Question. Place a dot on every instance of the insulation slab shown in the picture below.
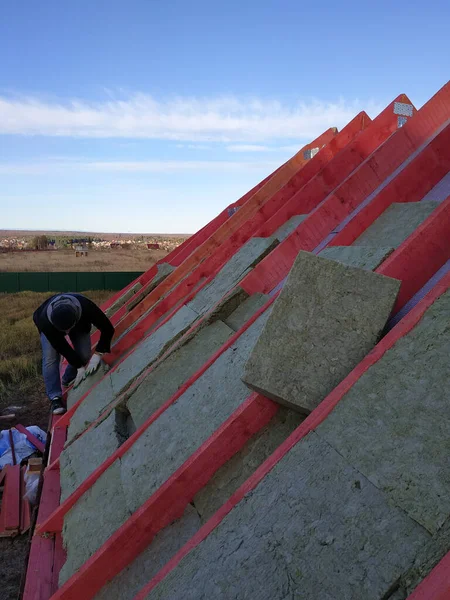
(118, 380)
(326, 319)
(243, 464)
(123, 299)
(151, 348)
(75, 394)
(244, 311)
(400, 426)
(396, 224)
(313, 523)
(362, 257)
(287, 228)
(85, 454)
(94, 518)
(161, 383)
(168, 541)
(164, 270)
(187, 423)
(127, 584)
(91, 407)
(233, 271)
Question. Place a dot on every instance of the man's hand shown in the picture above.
(81, 374)
(93, 365)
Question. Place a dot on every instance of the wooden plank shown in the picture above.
(31, 438)
(39, 583)
(170, 500)
(11, 499)
(7, 418)
(35, 465)
(3, 473)
(25, 509)
(11, 443)
(59, 436)
(58, 561)
(313, 420)
(51, 492)
(2, 523)
(39, 579)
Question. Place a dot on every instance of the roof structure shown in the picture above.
(273, 420)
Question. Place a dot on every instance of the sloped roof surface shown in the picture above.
(217, 455)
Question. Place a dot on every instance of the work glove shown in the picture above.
(81, 374)
(94, 364)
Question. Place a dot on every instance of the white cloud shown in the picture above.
(198, 147)
(257, 148)
(223, 119)
(167, 166)
(58, 165)
(248, 148)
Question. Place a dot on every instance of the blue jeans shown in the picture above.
(51, 361)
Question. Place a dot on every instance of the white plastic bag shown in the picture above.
(31, 485)
(22, 446)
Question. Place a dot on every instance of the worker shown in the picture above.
(70, 315)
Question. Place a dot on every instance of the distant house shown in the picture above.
(81, 250)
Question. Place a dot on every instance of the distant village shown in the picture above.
(46, 243)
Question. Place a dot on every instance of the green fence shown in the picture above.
(65, 282)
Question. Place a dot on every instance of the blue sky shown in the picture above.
(152, 116)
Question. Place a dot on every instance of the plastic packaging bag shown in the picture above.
(22, 447)
(31, 485)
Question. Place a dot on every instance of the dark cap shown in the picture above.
(64, 312)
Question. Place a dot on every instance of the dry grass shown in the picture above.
(66, 260)
(20, 353)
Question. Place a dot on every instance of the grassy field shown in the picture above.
(21, 382)
(66, 260)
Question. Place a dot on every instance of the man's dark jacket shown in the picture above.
(91, 315)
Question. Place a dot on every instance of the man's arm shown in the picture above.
(59, 343)
(103, 324)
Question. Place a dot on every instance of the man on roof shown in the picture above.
(71, 315)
